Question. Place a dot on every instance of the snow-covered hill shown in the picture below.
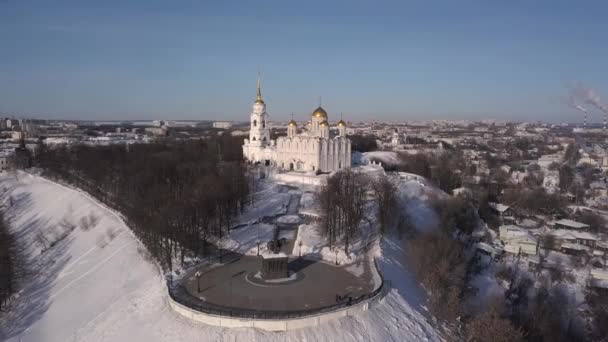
(96, 285)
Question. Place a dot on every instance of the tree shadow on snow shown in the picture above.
(41, 273)
(395, 269)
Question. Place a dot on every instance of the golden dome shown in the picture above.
(319, 113)
(341, 123)
(292, 123)
(324, 123)
(259, 100)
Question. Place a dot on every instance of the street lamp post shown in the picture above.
(300, 248)
(336, 251)
(198, 280)
(258, 242)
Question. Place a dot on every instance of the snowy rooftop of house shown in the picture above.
(510, 231)
(499, 207)
(572, 224)
(572, 235)
(599, 273)
(575, 246)
(489, 248)
(528, 223)
(554, 259)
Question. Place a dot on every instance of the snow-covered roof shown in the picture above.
(509, 232)
(598, 273)
(528, 223)
(513, 249)
(499, 207)
(565, 234)
(575, 246)
(572, 224)
(489, 248)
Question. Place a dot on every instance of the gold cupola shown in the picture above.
(341, 123)
(324, 123)
(319, 113)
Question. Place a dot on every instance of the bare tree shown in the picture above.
(385, 194)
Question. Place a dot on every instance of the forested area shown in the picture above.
(175, 195)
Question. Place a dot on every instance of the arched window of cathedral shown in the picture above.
(253, 139)
(264, 139)
(263, 123)
(255, 123)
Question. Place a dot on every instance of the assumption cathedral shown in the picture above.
(311, 149)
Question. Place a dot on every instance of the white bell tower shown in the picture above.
(259, 134)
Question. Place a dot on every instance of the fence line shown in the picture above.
(179, 294)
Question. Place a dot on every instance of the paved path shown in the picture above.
(227, 286)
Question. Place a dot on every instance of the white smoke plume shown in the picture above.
(589, 96)
(570, 101)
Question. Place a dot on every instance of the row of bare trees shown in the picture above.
(343, 200)
(10, 265)
(176, 195)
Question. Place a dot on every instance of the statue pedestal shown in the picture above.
(274, 266)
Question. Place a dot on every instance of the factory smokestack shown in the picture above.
(571, 102)
(591, 97)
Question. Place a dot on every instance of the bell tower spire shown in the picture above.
(259, 97)
(259, 134)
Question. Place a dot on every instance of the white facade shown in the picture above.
(312, 149)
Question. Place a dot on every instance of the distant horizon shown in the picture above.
(464, 60)
(478, 120)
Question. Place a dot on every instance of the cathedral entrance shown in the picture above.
(290, 166)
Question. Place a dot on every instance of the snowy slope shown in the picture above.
(91, 288)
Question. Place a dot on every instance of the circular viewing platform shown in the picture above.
(237, 287)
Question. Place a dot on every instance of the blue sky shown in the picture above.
(393, 60)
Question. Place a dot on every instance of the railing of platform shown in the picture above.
(179, 294)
